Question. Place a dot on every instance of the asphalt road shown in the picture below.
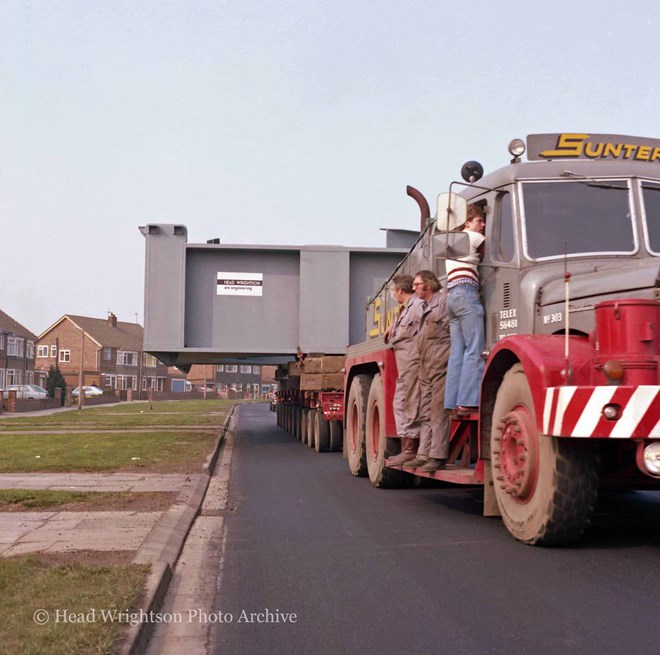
(367, 571)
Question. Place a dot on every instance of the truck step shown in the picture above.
(454, 473)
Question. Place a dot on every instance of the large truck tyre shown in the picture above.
(546, 487)
(377, 446)
(311, 417)
(336, 436)
(303, 425)
(321, 433)
(356, 415)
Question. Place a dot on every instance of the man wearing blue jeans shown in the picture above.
(466, 320)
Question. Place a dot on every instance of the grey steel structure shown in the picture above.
(281, 299)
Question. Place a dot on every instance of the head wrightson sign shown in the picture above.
(592, 146)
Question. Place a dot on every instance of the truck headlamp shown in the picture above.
(652, 458)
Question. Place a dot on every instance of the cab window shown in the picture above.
(502, 245)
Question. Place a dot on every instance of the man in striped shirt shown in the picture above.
(466, 320)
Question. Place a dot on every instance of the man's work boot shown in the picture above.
(434, 464)
(419, 460)
(408, 451)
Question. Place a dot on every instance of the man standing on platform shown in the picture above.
(403, 337)
(434, 345)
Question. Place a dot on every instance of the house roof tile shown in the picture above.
(8, 324)
(126, 336)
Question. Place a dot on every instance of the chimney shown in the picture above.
(112, 320)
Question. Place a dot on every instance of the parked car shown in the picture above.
(90, 392)
(24, 391)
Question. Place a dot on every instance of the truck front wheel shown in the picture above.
(546, 487)
(356, 413)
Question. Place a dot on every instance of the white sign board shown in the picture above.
(240, 284)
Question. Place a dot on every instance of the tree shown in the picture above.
(54, 380)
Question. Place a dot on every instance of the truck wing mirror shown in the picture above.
(451, 212)
(451, 245)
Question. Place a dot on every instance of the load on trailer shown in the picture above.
(570, 285)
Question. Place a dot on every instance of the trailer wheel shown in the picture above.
(294, 421)
(336, 436)
(321, 433)
(356, 413)
(377, 446)
(289, 419)
(310, 427)
(546, 487)
(303, 425)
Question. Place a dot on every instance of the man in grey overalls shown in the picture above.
(434, 346)
(403, 337)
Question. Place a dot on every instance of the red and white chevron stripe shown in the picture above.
(576, 412)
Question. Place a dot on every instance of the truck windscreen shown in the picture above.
(651, 196)
(577, 216)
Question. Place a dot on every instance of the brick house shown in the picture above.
(236, 380)
(111, 353)
(17, 350)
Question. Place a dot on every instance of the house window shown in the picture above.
(110, 381)
(127, 382)
(15, 348)
(42, 351)
(2, 341)
(231, 368)
(65, 355)
(53, 351)
(14, 376)
(246, 369)
(2, 378)
(220, 368)
(256, 369)
(126, 358)
(30, 351)
(150, 361)
(107, 354)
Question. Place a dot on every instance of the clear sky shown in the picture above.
(276, 122)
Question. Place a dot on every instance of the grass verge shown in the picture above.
(80, 602)
(171, 413)
(138, 451)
